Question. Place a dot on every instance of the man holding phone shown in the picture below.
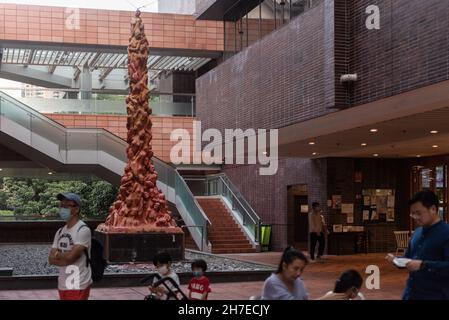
(428, 250)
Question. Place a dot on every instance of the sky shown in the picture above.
(128, 5)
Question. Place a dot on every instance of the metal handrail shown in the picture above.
(120, 145)
(245, 210)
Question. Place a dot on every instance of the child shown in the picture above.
(199, 285)
(162, 261)
(347, 287)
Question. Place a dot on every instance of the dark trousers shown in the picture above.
(314, 238)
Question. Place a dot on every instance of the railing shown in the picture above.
(196, 214)
(71, 101)
(94, 146)
(219, 184)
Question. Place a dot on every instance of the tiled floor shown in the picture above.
(319, 278)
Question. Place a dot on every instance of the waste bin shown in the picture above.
(265, 237)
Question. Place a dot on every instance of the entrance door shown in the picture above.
(301, 221)
(431, 178)
(297, 216)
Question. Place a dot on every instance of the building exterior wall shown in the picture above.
(107, 27)
(285, 78)
(408, 52)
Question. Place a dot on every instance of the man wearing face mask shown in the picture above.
(70, 250)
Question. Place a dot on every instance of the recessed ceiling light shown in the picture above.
(435, 146)
(418, 156)
(434, 131)
(364, 144)
(314, 154)
(50, 173)
(375, 155)
(374, 130)
(311, 143)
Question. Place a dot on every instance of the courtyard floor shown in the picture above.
(319, 277)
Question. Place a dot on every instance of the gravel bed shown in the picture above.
(31, 259)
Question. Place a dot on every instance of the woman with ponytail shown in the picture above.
(347, 287)
(286, 284)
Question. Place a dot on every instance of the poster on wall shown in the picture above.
(390, 202)
(336, 201)
(350, 219)
(374, 215)
(304, 209)
(381, 204)
(367, 201)
(337, 228)
(347, 208)
(390, 215)
(365, 215)
(329, 203)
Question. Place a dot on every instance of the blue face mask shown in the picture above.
(197, 274)
(65, 214)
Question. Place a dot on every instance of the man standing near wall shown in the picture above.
(428, 251)
(316, 231)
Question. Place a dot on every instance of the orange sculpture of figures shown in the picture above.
(140, 206)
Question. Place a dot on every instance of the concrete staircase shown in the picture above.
(225, 234)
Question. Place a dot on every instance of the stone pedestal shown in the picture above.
(140, 247)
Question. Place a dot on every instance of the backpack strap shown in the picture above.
(86, 252)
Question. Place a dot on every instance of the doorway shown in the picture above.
(298, 209)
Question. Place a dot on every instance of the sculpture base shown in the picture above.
(140, 247)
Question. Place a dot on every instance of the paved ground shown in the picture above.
(319, 278)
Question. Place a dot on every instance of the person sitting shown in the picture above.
(286, 283)
(347, 287)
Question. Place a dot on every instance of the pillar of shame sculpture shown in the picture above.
(140, 206)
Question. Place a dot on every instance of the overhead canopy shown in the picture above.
(53, 66)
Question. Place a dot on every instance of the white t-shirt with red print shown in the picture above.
(65, 239)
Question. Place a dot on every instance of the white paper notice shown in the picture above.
(390, 202)
(365, 214)
(347, 208)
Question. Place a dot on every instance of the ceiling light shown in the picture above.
(374, 130)
(50, 173)
(418, 156)
(314, 154)
(375, 155)
(435, 146)
(364, 144)
(311, 143)
(434, 131)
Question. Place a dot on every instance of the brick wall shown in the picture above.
(284, 78)
(409, 51)
(268, 194)
(107, 27)
(162, 127)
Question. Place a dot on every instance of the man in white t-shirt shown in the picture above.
(69, 251)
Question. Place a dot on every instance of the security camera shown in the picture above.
(349, 77)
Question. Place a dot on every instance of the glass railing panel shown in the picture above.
(70, 101)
